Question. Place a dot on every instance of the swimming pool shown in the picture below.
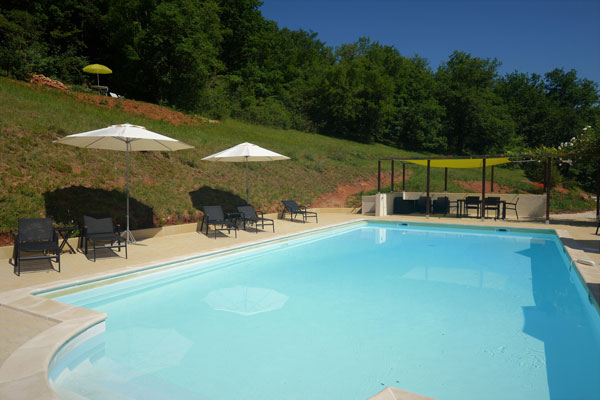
(446, 312)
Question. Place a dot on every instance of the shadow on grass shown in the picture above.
(207, 196)
(67, 206)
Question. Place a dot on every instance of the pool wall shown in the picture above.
(24, 375)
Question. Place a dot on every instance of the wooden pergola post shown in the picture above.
(392, 178)
(428, 172)
(483, 190)
(446, 180)
(379, 176)
(403, 177)
(598, 193)
(492, 180)
(548, 184)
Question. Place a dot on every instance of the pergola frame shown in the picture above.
(513, 158)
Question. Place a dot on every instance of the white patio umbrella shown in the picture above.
(245, 152)
(124, 137)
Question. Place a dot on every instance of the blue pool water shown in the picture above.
(447, 313)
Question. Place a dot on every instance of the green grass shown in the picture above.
(39, 177)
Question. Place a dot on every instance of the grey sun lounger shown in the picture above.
(251, 216)
(294, 209)
(37, 237)
(99, 231)
(213, 215)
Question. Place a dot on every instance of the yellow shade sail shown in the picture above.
(461, 162)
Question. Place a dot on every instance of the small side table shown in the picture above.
(66, 233)
(234, 216)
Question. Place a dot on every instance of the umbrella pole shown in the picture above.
(128, 235)
(98, 79)
(247, 202)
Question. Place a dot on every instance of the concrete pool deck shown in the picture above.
(32, 328)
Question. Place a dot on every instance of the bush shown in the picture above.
(535, 171)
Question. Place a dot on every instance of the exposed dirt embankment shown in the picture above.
(339, 197)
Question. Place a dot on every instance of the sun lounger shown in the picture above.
(294, 209)
(251, 216)
(99, 231)
(38, 237)
(213, 215)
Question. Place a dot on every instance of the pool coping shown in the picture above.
(17, 382)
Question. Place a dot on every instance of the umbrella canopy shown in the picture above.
(97, 69)
(124, 137)
(245, 152)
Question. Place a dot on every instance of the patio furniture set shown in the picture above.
(443, 205)
(38, 239)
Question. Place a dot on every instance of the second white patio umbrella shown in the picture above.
(245, 152)
(124, 137)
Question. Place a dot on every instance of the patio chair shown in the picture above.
(213, 215)
(492, 203)
(294, 209)
(472, 203)
(251, 216)
(37, 236)
(513, 207)
(99, 230)
(441, 205)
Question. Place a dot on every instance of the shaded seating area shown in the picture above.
(214, 215)
(99, 232)
(36, 240)
(294, 209)
(252, 217)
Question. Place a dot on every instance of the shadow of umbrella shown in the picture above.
(147, 350)
(207, 196)
(67, 206)
(245, 300)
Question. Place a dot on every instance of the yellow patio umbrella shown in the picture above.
(97, 69)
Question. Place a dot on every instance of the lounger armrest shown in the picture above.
(260, 213)
(303, 208)
(84, 231)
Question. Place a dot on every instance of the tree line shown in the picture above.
(222, 58)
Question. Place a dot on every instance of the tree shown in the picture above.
(477, 120)
(573, 105)
(166, 53)
(354, 98)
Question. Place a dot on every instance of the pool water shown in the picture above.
(450, 313)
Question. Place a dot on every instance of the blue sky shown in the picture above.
(533, 36)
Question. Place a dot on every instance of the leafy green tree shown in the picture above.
(168, 53)
(477, 120)
(354, 99)
(416, 122)
(573, 105)
(22, 51)
(528, 106)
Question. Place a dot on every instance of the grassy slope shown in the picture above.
(40, 178)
